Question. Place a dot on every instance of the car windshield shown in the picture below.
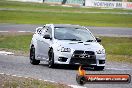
(73, 34)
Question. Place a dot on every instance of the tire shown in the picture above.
(81, 80)
(99, 68)
(51, 59)
(33, 61)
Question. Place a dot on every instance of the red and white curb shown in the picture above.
(73, 86)
(16, 31)
(4, 31)
(24, 31)
(6, 53)
(76, 86)
(119, 69)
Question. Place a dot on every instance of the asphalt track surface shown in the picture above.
(20, 66)
(98, 31)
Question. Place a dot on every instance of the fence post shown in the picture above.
(64, 1)
(84, 2)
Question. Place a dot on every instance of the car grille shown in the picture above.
(78, 52)
(83, 57)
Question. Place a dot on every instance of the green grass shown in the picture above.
(119, 58)
(117, 48)
(42, 6)
(26, 17)
(118, 45)
(32, 13)
(7, 81)
(18, 42)
(113, 45)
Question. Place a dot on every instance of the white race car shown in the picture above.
(66, 44)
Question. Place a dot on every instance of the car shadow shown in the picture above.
(68, 67)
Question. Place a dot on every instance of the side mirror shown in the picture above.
(98, 39)
(47, 36)
(38, 29)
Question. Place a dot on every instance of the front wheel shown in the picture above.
(51, 58)
(99, 68)
(33, 61)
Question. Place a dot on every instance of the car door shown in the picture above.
(45, 43)
(38, 38)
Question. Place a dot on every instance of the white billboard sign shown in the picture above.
(108, 4)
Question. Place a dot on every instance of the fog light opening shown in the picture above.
(62, 59)
(101, 61)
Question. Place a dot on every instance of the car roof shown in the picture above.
(66, 25)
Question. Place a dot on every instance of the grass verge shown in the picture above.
(36, 13)
(117, 48)
(119, 58)
(117, 45)
(19, 44)
(7, 81)
(48, 7)
(27, 17)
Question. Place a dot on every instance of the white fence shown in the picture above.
(108, 4)
(79, 2)
(39, 1)
(90, 3)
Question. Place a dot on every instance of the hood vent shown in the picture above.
(76, 43)
(80, 42)
(86, 44)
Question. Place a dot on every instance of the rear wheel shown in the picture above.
(32, 57)
(51, 58)
(99, 68)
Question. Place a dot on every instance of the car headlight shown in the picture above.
(101, 51)
(63, 49)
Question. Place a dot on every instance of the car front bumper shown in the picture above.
(69, 58)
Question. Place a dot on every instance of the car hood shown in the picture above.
(78, 45)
